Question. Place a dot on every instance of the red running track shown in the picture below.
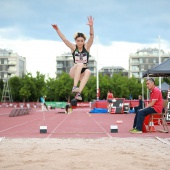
(78, 124)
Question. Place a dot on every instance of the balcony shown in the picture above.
(11, 70)
(11, 63)
(59, 65)
(59, 71)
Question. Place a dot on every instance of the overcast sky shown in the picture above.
(122, 27)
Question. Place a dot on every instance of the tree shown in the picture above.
(27, 86)
(30, 88)
(167, 80)
(51, 85)
(135, 87)
(119, 86)
(15, 85)
(89, 91)
(1, 84)
(38, 88)
(25, 93)
(104, 85)
(63, 87)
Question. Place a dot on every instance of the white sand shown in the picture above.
(77, 154)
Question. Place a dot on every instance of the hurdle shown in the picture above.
(20, 111)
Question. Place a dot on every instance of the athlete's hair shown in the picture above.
(150, 79)
(110, 91)
(79, 34)
(140, 96)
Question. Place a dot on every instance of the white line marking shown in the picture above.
(2, 139)
(17, 125)
(162, 140)
(79, 133)
(102, 128)
(4, 114)
(58, 126)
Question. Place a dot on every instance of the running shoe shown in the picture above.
(136, 131)
(78, 96)
(132, 130)
(75, 89)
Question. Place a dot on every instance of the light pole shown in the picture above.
(97, 75)
(142, 80)
(159, 63)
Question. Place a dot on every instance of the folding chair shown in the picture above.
(161, 118)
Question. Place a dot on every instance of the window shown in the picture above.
(12, 68)
(135, 68)
(5, 61)
(142, 67)
(141, 60)
(154, 61)
(135, 61)
(4, 68)
(146, 60)
(141, 74)
(136, 74)
(5, 75)
(149, 66)
(105, 70)
(59, 65)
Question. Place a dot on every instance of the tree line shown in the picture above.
(30, 89)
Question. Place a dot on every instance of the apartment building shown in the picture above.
(110, 71)
(11, 64)
(65, 61)
(145, 59)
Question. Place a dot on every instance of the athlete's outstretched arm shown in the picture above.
(90, 40)
(60, 34)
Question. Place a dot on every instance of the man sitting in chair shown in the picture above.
(155, 106)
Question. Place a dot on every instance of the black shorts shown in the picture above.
(83, 70)
(109, 101)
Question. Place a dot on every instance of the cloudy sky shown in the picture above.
(121, 27)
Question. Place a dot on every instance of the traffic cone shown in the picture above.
(144, 128)
(151, 127)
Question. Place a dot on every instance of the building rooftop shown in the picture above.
(112, 67)
(149, 50)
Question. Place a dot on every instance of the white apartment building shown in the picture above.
(111, 70)
(65, 61)
(145, 59)
(11, 64)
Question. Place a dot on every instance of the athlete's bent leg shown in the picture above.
(77, 73)
(83, 79)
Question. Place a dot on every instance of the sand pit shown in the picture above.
(74, 154)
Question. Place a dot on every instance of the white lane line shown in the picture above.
(17, 125)
(79, 133)
(4, 114)
(163, 140)
(2, 139)
(58, 126)
(101, 128)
